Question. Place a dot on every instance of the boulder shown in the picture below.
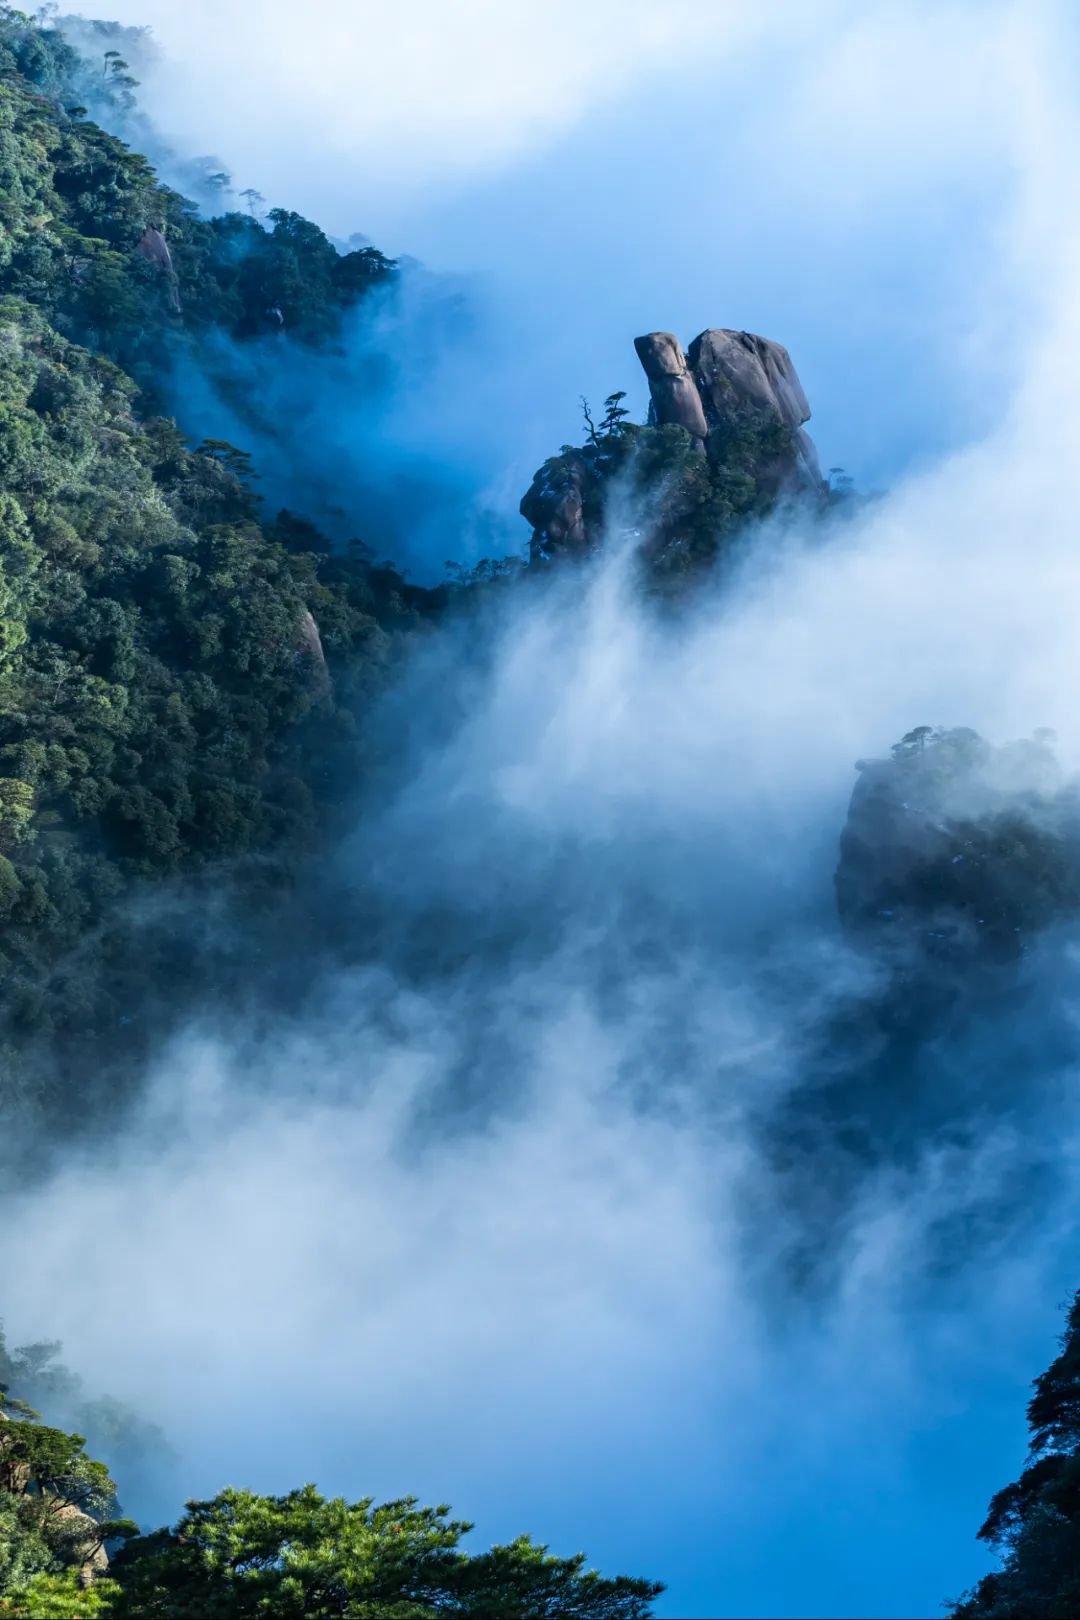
(739, 372)
(725, 378)
(740, 369)
(674, 392)
(554, 505)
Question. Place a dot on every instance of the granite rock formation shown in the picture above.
(554, 505)
(739, 407)
(672, 388)
(153, 247)
(726, 378)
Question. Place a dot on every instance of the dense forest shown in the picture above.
(184, 683)
(1034, 1524)
(183, 675)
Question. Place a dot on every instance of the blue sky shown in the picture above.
(882, 188)
(843, 177)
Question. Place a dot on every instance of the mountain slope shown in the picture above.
(180, 677)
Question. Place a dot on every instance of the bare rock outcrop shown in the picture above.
(77, 1538)
(554, 505)
(673, 390)
(748, 369)
(739, 400)
(154, 248)
(726, 378)
(311, 648)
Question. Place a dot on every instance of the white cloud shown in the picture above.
(842, 176)
(412, 92)
(524, 1208)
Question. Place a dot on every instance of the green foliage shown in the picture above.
(613, 420)
(60, 1596)
(172, 665)
(75, 204)
(32, 1376)
(55, 1507)
(53, 1465)
(1054, 1410)
(1034, 1524)
(688, 505)
(242, 1555)
(159, 693)
(179, 676)
(24, 1550)
(489, 571)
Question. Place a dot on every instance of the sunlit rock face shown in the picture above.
(725, 378)
(674, 392)
(740, 407)
(737, 373)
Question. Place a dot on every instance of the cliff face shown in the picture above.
(724, 442)
(953, 848)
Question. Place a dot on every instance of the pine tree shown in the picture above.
(1034, 1523)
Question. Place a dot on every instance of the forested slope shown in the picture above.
(181, 674)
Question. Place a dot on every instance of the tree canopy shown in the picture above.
(242, 1555)
(1034, 1523)
(183, 677)
(65, 1549)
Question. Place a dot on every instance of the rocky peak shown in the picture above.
(739, 407)
(674, 392)
(725, 378)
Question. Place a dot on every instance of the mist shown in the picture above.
(845, 178)
(510, 1186)
(542, 1203)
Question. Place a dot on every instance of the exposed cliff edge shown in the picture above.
(724, 442)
